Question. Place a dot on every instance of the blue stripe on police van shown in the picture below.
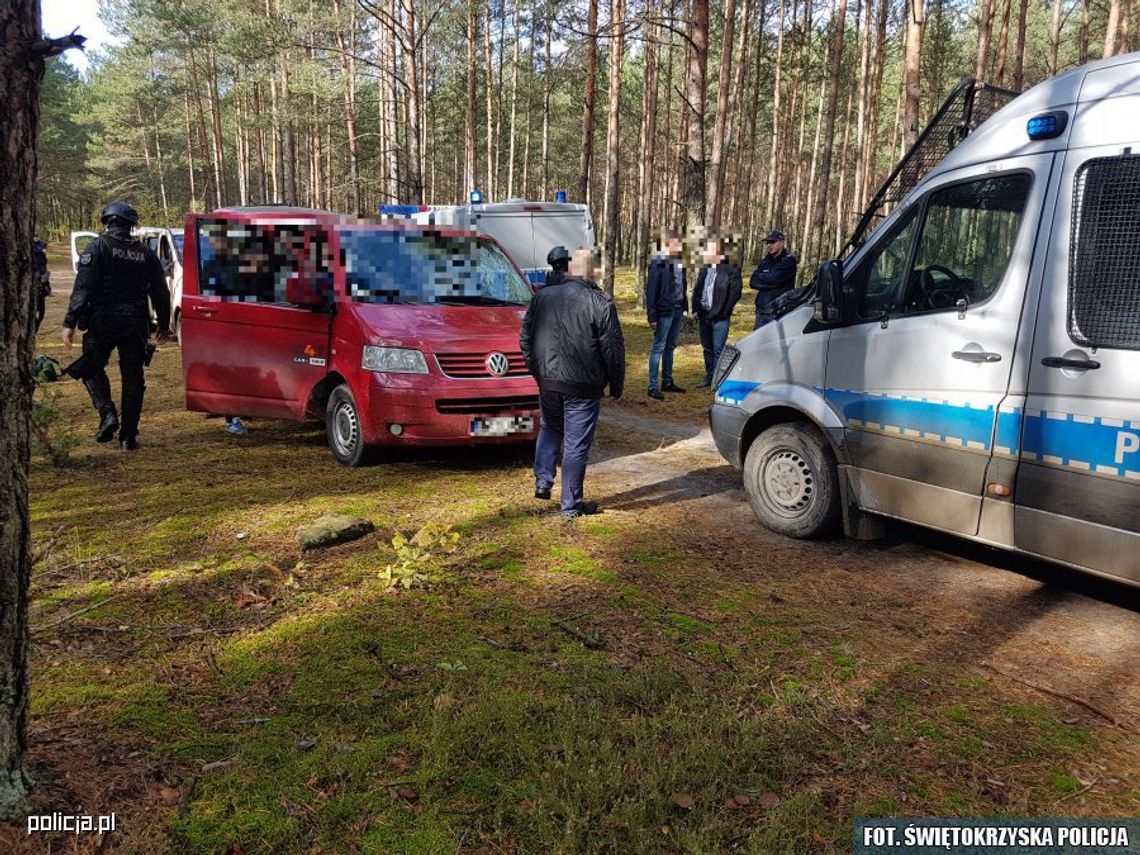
(1086, 443)
(733, 392)
(963, 426)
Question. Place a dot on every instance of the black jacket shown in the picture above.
(659, 288)
(572, 342)
(772, 278)
(117, 273)
(726, 291)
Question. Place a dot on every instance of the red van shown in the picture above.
(394, 334)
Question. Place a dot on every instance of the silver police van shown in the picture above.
(974, 365)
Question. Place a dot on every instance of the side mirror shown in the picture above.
(832, 304)
(305, 289)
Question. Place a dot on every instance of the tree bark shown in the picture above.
(777, 123)
(716, 184)
(1019, 56)
(588, 104)
(861, 111)
(348, 87)
(488, 57)
(546, 83)
(514, 106)
(985, 26)
(190, 150)
(471, 178)
(735, 129)
(835, 72)
(645, 173)
(912, 65)
(22, 70)
(693, 167)
(412, 111)
(613, 143)
(1001, 55)
(1112, 29)
(1054, 37)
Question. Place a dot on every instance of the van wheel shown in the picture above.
(345, 433)
(792, 481)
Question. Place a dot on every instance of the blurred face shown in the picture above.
(584, 264)
(673, 247)
(712, 252)
(774, 247)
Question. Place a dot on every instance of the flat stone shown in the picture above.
(332, 529)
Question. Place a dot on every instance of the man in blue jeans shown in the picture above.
(715, 295)
(665, 290)
(572, 342)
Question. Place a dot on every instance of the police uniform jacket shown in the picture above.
(117, 274)
(773, 277)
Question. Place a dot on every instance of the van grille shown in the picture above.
(487, 406)
(465, 366)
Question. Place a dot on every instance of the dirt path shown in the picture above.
(964, 603)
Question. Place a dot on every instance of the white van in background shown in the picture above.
(167, 245)
(527, 230)
(974, 366)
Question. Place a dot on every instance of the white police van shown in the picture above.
(974, 366)
(526, 229)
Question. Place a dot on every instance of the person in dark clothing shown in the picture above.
(43, 278)
(773, 277)
(665, 292)
(109, 302)
(573, 345)
(715, 295)
(559, 260)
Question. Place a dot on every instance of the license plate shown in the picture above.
(502, 425)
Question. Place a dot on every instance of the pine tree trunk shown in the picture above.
(1054, 37)
(835, 73)
(912, 63)
(645, 175)
(546, 83)
(190, 151)
(471, 178)
(613, 142)
(716, 185)
(770, 207)
(412, 113)
(665, 211)
(1003, 44)
(985, 27)
(588, 104)
(693, 173)
(735, 131)
(514, 106)
(488, 57)
(529, 106)
(22, 70)
(348, 87)
(861, 111)
(1019, 56)
(1112, 29)
(219, 140)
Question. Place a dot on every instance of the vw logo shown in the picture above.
(498, 364)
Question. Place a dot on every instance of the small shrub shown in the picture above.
(53, 433)
(419, 558)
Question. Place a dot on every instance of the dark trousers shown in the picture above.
(714, 334)
(127, 334)
(665, 339)
(567, 426)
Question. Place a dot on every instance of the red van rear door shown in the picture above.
(245, 350)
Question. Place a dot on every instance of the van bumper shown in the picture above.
(727, 425)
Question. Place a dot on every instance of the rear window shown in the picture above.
(428, 267)
(1104, 254)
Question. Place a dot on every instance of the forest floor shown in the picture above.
(668, 676)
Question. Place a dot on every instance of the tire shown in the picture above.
(344, 430)
(792, 481)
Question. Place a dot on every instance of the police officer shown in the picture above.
(43, 278)
(116, 275)
(559, 260)
(774, 276)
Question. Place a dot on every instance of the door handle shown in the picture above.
(1067, 362)
(976, 356)
(205, 310)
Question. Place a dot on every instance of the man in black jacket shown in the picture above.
(109, 301)
(773, 277)
(572, 342)
(665, 289)
(715, 295)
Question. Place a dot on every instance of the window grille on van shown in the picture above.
(465, 366)
(1104, 254)
(970, 104)
(487, 406)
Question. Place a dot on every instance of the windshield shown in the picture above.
(427, 267)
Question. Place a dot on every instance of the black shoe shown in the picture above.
(129, 444)
(673, 387)
(108, 424)
(582, 509)
(656, 395)
(542, 492)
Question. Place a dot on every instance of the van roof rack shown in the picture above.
(970, 104)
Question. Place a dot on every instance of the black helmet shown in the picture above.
(119, 209)
(558, 253)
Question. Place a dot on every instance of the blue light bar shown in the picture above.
(1047, 126)
(476, 197)
(560, 196)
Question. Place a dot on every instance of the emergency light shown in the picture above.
(476, 197)
(1047, 126)
(560, 196)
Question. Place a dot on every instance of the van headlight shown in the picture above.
(724, 365)
(393, 360)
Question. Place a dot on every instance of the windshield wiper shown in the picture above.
(478, 300)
